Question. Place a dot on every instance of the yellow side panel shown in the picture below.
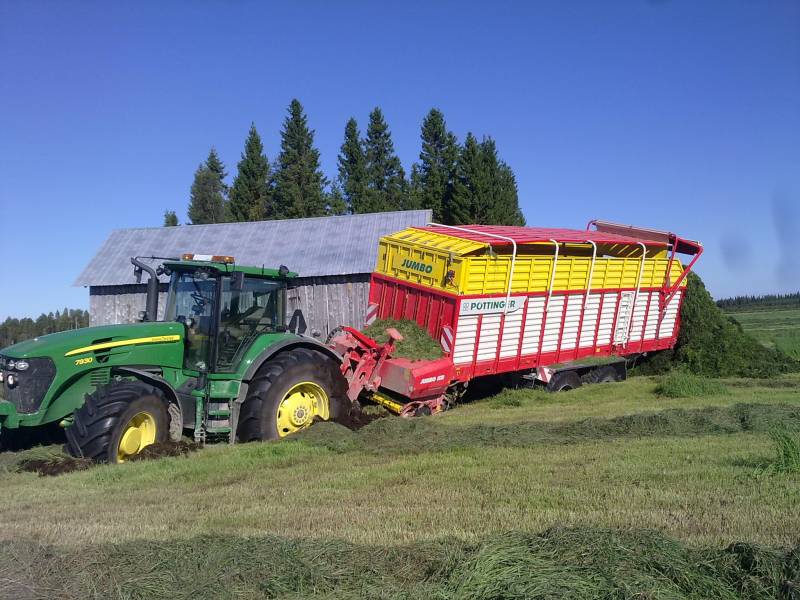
(426, 258)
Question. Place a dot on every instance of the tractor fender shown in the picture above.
(289, 344)
(267, 354)
(174, 408)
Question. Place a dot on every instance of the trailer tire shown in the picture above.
(288, 393)
(604, 374)
(117, 421)
(563, 381)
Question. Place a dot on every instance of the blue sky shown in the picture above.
(679, 114)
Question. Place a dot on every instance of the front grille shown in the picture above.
(30, 385)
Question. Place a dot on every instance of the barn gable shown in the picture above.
(333, 255)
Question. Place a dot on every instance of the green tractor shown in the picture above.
(221, 366)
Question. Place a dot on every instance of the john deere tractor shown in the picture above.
(220, 366)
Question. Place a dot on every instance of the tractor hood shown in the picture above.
(84, 342)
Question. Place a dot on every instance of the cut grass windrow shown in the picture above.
(408, 436)
(558, 563)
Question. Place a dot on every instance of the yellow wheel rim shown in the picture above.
(299, 406)
(138, 433)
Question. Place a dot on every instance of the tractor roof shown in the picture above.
(229, 267)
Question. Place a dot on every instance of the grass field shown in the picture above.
(400, 508)
(773, 328)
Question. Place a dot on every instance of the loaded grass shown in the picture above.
(416, 344)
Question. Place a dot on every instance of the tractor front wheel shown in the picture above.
(288, 393)
(118, 421)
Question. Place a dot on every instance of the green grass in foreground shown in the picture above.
(558, 563)
(610, 491)
(681, 384)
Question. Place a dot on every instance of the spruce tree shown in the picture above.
(215, 164)
(170, 218)
(387, 188)
(250, 198)
(335, 201)
(484, 190)
(206, 203)
(352, 168)
(298, 180)
(469, 185)
(433, 180)
(502, 207)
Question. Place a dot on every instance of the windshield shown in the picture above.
(191, 302)
(247, 313)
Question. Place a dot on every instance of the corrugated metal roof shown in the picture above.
(311, 247)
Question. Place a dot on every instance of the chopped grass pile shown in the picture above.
(712, 344)
(557, 563)
(56, 465)
(683, 384)
(416, 344)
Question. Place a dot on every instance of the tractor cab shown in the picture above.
(224, 308)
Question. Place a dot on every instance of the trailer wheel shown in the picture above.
(117, 421)
(288, 393)
(564, 381)
(604, 374)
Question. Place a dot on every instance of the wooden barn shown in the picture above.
(333, 255)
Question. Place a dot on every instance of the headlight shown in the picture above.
(22, 365)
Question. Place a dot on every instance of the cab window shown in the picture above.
(255, 309)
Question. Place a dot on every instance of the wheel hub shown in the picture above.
(300, 405)
(137, 434)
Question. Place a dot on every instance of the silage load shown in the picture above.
(417, 344)
(711, 344)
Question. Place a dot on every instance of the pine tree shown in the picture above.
(503, 205)
(335, 201)
(469, 185)
(299, 182)
(250, 198)
(352, 168)
(215, 164)
(433, 180)
(485, 189)
(170, 218)
(387, 188)
(206, 203)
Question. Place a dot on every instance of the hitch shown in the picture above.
(362, 358)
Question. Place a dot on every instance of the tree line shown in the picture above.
(14, 330)
(460, 182)
(765, 302)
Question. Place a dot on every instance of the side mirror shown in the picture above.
(237, 281)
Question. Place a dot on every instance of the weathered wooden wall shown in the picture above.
(327, 302)
(313, 303)
(111, 304)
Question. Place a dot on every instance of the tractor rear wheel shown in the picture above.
(288, 393)
(117, 421)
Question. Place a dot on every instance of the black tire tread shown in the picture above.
(93, 423)
(250, 416)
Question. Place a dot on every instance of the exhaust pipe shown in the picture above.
(151, 307)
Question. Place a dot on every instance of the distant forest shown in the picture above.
(766, 302)
(460, 182)
(17, 330)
